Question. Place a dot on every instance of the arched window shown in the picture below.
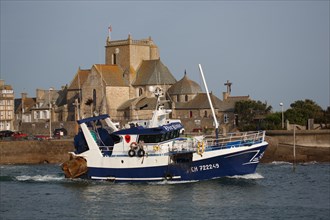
(140, 91)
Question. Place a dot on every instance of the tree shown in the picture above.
(251, 114)
(301, 111)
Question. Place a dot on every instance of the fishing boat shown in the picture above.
(159, 153)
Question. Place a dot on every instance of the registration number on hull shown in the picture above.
(205, 167)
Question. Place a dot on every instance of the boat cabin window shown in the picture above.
(115, 138)
(148, 138)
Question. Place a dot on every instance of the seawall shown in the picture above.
(310, 146)
(35, 152)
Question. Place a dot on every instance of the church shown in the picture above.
(123, 88)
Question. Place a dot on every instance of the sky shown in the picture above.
(273, 51)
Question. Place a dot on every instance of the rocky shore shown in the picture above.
(310, 146)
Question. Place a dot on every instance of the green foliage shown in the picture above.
(301, 111)
(251, 114)
(254, 115)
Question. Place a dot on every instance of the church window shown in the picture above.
(186, 98)
(178, 98)
(114, 59)
(190, 114)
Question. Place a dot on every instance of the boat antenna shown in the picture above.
(211, 105)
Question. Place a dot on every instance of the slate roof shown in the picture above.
(142, 103)
(184, 86)
(229, 103)
(153, 72)
(111, 74)
(200, 102)
(28, 104)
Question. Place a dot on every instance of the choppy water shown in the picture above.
(274, 192)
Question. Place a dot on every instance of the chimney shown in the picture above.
(24, 95)
(225, 95)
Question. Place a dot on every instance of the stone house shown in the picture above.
(6, 106)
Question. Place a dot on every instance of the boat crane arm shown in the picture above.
(211, 105)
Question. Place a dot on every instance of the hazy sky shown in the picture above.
(274, 51)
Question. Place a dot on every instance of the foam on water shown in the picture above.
(253, 176)
(39, 178)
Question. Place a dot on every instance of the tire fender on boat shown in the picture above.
(168, 176)
(131, 153)
(141, 153)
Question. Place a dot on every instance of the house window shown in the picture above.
(205, 114)
(140, 91)
(225, 118)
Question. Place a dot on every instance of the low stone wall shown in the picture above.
(309, 146)
(34, 152)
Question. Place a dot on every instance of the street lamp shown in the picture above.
(281, 104)
(50, 112)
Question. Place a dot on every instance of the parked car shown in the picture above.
(60, 132)
(6, 133)
(19, 135)
(41, 137)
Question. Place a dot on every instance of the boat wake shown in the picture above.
(253, 176)
(40, 178)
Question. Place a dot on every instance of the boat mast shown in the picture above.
(211, 105)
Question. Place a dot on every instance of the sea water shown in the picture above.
(276, 191)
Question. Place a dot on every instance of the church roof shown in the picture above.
(111, 74)
(153, 72)
(200, 102)
(80, 78)
(142, 103)
(184, 86)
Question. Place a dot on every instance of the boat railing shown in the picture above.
(235, 139)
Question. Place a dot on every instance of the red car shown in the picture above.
(19, 135)
(41, 137)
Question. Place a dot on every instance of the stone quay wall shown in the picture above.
(309, 146)
(35, 152)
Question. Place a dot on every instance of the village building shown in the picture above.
(6, 106)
